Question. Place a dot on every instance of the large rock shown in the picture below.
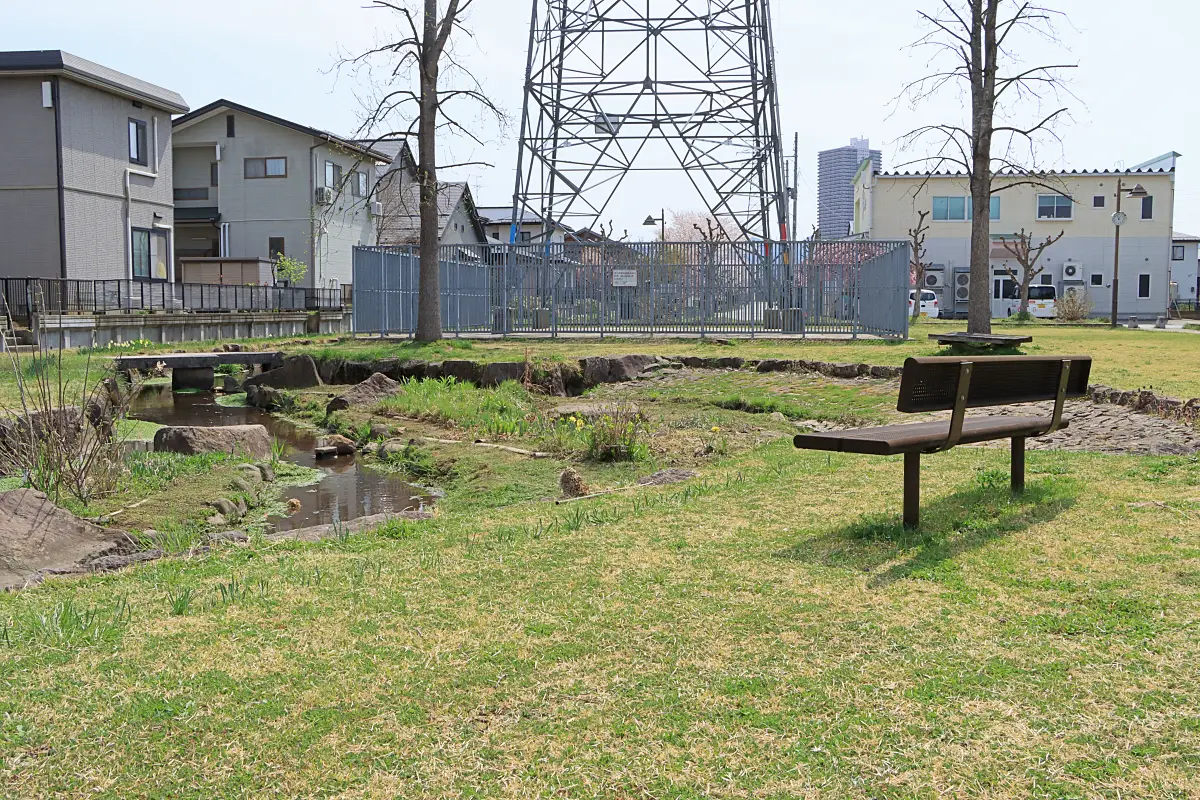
(370, 392)
(297, 372)
(627, 368)
(247, 440)
(596, 370)
(501, 371)
(461, 371)
(775, 365)
(341, 445)
(265, 397)
(35, 535)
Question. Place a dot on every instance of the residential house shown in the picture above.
(1081, 204)
(85, 171)
(1185, 277)
(250, 186)
(498, 223)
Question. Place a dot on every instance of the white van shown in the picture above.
(929, 304)
(1043, 301)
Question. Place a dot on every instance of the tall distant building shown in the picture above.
(835, 185)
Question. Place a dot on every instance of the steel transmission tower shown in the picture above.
(615, 87)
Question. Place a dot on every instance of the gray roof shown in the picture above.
(59, 62)
(502, 215)
(402, 216)
(316, 133)
(1180, 236)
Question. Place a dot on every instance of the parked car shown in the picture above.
(1042, 302)
(929, 303)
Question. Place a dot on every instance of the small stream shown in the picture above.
(348, 490)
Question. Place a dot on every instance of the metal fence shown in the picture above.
(850, 287)
(28, 296)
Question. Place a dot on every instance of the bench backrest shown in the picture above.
(931, 384)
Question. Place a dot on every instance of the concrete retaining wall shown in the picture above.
(99, 330)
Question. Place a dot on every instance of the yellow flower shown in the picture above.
(716, 429)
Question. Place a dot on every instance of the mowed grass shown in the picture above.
(1122, 358)
(766, 631)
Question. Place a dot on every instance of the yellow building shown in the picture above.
(1081, 204)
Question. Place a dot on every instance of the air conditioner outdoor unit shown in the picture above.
(324, 196)
(962, 286)
(935, 280)
(377, 209)
(1072, 271)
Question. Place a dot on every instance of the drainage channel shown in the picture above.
(348, 490)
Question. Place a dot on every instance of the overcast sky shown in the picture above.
(840, 66)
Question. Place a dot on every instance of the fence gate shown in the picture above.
(749, 288)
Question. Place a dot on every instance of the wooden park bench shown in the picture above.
(956, 384)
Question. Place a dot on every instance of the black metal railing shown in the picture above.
(28, 296)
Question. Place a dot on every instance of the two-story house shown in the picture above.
(252, 186)
(85, 170)
(399, 196)
(1078, 204)
(497, 222)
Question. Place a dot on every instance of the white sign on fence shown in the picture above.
(624, 278)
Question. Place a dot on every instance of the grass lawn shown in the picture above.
(767, 630)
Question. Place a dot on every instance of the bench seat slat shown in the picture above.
(891, 440)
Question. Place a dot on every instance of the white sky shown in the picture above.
(839, 65)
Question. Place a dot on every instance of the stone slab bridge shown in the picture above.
(196, 370)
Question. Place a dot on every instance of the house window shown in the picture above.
(137, 142)
(212, 174)
(1055, 206)
(949, 209)
(191, 194)
(1098, 201)
(272, 167)
(1097, 279)
(1177, 252)
(275, 247)
(526, 237)
(229, 126)
(149, 254)
(333, 175)
(360, 188)
(1143, 286)
(1047, 280)
(1147, 208)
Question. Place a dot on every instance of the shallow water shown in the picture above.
(348, 490)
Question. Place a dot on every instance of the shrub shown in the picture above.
(618, 436)
(1073, 307)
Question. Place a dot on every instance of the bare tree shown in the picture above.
(1027, 255)
(413, 103)
(973, 45)
(917, 264)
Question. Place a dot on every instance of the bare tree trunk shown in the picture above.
(983, 103)
(429, 300)
(1025, 294)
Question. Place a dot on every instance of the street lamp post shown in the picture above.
(652, 220)
(1119, 218)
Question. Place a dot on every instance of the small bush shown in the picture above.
(618, 436)
(1073, 307)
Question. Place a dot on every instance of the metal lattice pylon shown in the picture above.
(607, 78)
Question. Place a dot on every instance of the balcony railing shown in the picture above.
(28, 296)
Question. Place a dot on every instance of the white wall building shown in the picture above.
(1185, 275)
(1081, 204)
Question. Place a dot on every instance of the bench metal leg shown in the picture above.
(912, 490)
(1018, 464)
